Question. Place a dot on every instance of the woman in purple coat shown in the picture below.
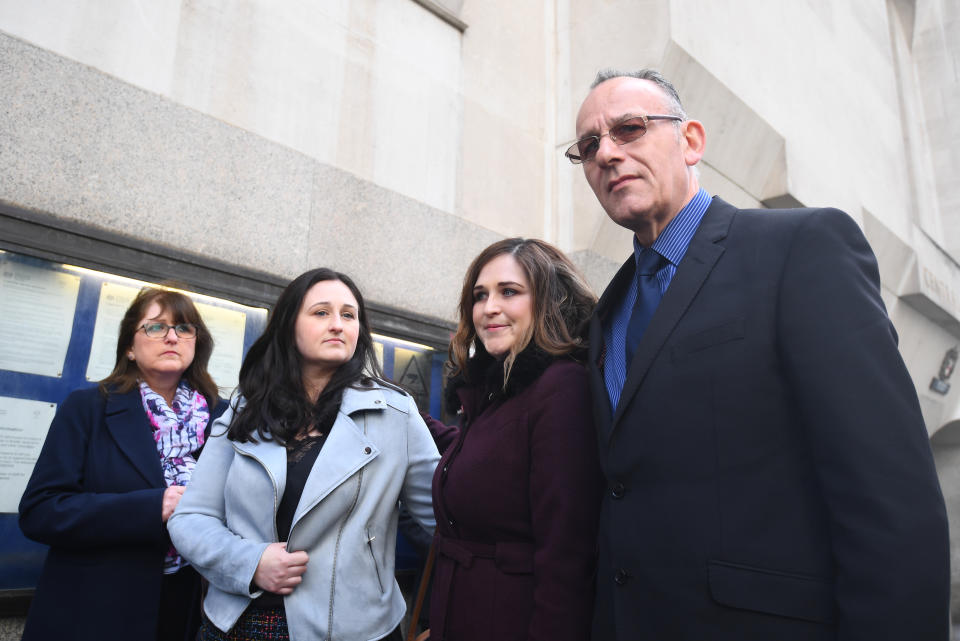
(517, 493)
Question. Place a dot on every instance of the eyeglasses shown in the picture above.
(627, 130)
(160, 330)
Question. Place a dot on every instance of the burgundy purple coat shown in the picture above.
(517, 496)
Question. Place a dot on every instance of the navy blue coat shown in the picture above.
(95, 498)
(769, 474)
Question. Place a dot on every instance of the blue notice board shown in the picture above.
(22, 307)
(419, 369)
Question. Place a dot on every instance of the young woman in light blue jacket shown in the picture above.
(292, 511)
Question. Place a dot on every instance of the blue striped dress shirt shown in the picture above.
(672, 244)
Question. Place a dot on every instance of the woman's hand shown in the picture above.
(280, 571)
(171, 496)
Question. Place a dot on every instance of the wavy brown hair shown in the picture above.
(126, 373)
(562, 303)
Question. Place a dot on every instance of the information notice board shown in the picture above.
(58, 333)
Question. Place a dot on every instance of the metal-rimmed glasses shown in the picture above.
(160, 330)
(627, 130)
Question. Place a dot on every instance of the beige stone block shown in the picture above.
(597, 269)
(505, 64)
(597, 34)
(401, 252)
(717, 184)
(611, 241)
(135, 41)
(820, 75)
(342, 82)
(503, 171)
(339, 82)
(894, 255)
(86, 147)
(586, 213)
(740, 144)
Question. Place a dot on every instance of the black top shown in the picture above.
(301, 455)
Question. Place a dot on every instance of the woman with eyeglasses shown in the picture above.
(112, 470)
(292, 515)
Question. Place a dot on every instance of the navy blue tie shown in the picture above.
(648, 297)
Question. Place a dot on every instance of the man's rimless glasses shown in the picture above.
(627, 130)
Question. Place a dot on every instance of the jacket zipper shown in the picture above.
(276, 490)
(376, 567)
(336, 554)
(336, 548)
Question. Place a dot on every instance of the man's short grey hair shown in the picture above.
(670, 94)
(674, 107)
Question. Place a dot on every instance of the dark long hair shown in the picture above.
(271, 377)
(126, 373)
(562, 303)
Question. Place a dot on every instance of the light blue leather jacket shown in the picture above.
(378, 450)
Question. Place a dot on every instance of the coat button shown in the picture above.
(367, 450)
(450, 522)
(621, 577)
(617, 491)
(445, 468)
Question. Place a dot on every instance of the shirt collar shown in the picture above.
(673, 241)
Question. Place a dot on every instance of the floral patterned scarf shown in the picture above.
(178, 430)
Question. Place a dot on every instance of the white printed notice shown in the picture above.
(113, 304)
(227, 327)
(36, 317)
(23, 427)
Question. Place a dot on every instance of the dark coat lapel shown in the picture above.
(704, 251)
(130, 428)
(613, 293)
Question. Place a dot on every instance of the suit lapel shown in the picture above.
(614, 291)
(702, 255)
(601, 404)
(129, 426)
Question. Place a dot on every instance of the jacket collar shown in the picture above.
(346, 449)
(364, 398)
(482, 383)
(353, 400)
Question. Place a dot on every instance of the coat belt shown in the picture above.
(511, 557)
(507, 557)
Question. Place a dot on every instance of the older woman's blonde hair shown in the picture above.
(562, 303)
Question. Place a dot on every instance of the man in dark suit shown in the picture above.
(769, 474)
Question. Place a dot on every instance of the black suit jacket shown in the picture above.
(769, 473)
(95, 498)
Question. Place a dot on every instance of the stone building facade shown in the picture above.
(233, 144)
